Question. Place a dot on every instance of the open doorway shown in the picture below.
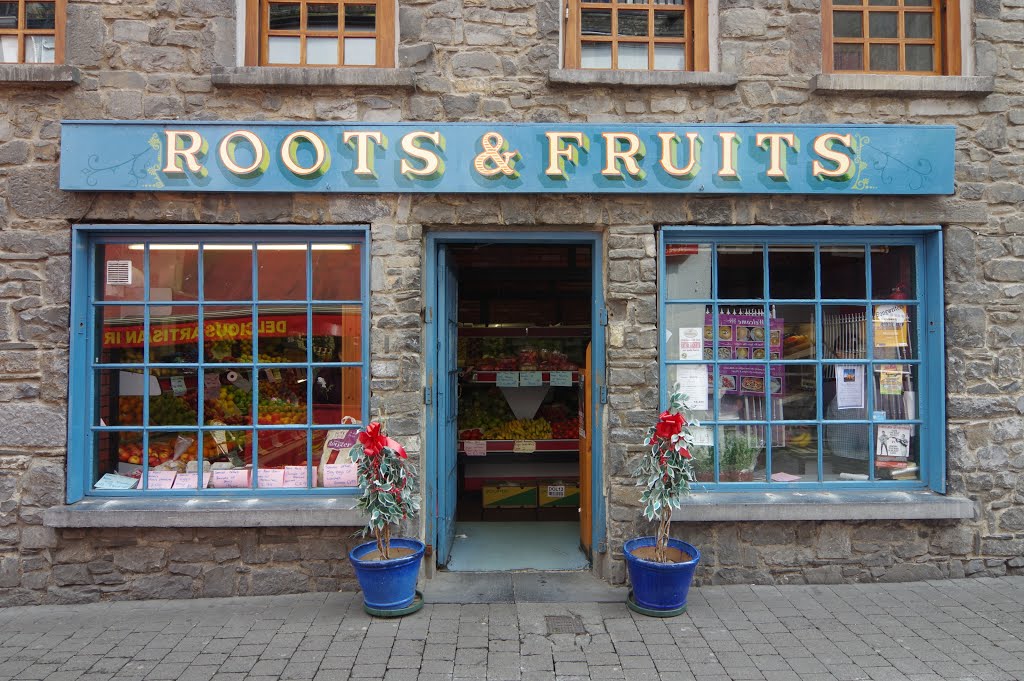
(514, 406)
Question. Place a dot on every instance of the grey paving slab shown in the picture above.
(966, 630)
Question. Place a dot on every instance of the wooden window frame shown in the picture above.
(695, 32)
(256, 35)
(945, 29)
(22, 32)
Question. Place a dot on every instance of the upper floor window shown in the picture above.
(318, 33)
(892, 36)
(670, 35)
(32, 32)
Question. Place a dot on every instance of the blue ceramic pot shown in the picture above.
(660, 586)
(388, 584)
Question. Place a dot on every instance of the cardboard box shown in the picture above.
(509, 495)
(559, 493)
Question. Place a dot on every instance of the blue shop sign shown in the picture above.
(669, 158)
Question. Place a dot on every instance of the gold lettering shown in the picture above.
(730, 144)
(560, 153)
(433, 164)
(289, 150)
(184, 145)
(669, 143)
(825, 148)
(361, 139)
(628, 156)
(260, 154)
(776, 152)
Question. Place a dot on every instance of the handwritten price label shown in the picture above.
(524, 447)
(475, 447)
(507, 379)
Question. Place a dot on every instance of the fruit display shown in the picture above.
(277, 411)
(566, 430)
(483, 408)
(167, 409)
(520, 429)
(526, 359)
(233, 406)
(129, 410)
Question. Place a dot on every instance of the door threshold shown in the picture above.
(520, 587)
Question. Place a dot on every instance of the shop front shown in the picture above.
(517, 301)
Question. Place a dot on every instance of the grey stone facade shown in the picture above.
(497, 60)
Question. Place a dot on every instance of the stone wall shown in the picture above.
(488, 60)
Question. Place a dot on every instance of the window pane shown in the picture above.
(684, 331)
(322, 17)
(740, 448)
(844, 332)
(283, 50)
(40, 15)
(225, 451)
(120, 275)
(791, 271)
(39, 49)
(119, 395)
(918, 24)
(336, 271)
(669, 57)
(8, 48)
(360, 51)
(897, 452)
(282, 271)
(279, 448)
(883, 3)
(740, 271)
(844, 392)
(285, 17)
(883, 25)
(118, 453)
(918, 3)
(322, 51)
(361, 18)
(893, 272)
(596, 55)
(798, 332)
(632, 56)
(894, 328)
(920, 58)
(282, 394)
(795, 453)
(796, 386)
(281, 334)
(885, 58)
(896, 391)
(695, 381)
(169, 456)
(847, 2)
(842, 272)
(174, 272)
(337, 395)
(596, 22)
(846, 449)
(669, 24)
(173, 333)
(848, 57)
(8, 14)
(227, 272)
(227, 333)
(334, 445)
(227, 396)
(119, 331)
(688, 271)
(847, 25)
(337, 334)
(632, 23)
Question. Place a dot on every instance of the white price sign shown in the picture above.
(524, 447)
(530, 378)
(561, 378)
(508, 379)
(178, 385)
(475, 447)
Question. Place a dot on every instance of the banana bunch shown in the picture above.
(802, 439)
(520, 429)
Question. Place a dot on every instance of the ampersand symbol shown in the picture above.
(494, 152)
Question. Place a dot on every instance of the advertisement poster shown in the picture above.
(849, 386)
(691, 343)
(894, 441)
(692, 382)
(743, 337)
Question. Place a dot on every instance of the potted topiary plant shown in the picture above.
(661, 568)
(387, 568)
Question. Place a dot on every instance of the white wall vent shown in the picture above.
(119, 273)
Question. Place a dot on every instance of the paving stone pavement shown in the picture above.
(968, 629)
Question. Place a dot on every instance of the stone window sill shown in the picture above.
(905, 86)
(675, 79)
(305, 76)
(337, 511)
(48, 75)
(794, 505)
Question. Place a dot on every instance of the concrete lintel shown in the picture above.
(675, 79)
(794, 505)
(52, 75)
(903, 86)
(305, 76)
(225, 512)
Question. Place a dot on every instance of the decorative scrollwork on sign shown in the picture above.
(134, 166)
(889, 167)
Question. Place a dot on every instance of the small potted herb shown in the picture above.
(388, 567)
(661, 568)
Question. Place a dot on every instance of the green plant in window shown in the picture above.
(738, 452)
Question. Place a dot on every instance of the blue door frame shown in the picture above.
(433, 469)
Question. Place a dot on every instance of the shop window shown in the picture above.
(892, 36)
(809, 359)
(217, 365)
(32, 31)
(659, 35)
(320, 33)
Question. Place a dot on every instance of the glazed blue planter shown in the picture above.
(660, 587)
(388, 584)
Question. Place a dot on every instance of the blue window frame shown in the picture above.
(812, 358)
(216, 362)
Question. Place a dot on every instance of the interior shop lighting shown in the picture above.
(240, 247)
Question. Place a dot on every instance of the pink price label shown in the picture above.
(340, 475)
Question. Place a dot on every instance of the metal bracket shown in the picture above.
(602, 546)
(602, 316)
(604, 394)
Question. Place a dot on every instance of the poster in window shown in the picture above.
(893, 442)
(891, 326)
